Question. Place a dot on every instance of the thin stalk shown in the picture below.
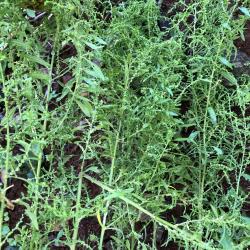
(104, 221)
(241, 170)
(45, 122)
(110, 183)
(5, 181)
(73, 245)
(79, 194)
(169, 226)
(203, 159)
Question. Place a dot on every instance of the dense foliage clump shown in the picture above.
(120, 133)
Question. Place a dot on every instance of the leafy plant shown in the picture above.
(109, 125)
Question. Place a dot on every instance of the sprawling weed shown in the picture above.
(110, 125)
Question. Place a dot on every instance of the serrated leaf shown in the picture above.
(31, 13)
(224, 61)
(230, 77)
(85, 106)
(218, 150)
(128, 247)
(36, 148)
(245, 11)
(212, 115)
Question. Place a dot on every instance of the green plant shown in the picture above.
(114, 142)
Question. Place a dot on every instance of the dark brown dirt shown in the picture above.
(167, 5)
(244, 45)
(14, 193)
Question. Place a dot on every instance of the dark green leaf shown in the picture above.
(38, 60)
(230, 77)
(85, 106)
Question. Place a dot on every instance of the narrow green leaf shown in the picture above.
(224, 61)
(101, 41)
(218, 150)
(128, 245)
(215, 211)
(247, 97)
(181, 139)
(245, 11)
(226, 241)
(85, 106)
(33, 218)
(193, 135)
(38, 60)
(92, 46)
(40, 76)
(230, 77)
(212, 115)
(93, 169)
(170, 92)
(171, 113)
(95, 72)
(226, 26)
(246, 176)
(242, 35)
(25, 145)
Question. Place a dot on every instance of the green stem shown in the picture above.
(110, 183)
(169, 226)
(40, 156)
(6, 167)
(111, 174)
(79, 195)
